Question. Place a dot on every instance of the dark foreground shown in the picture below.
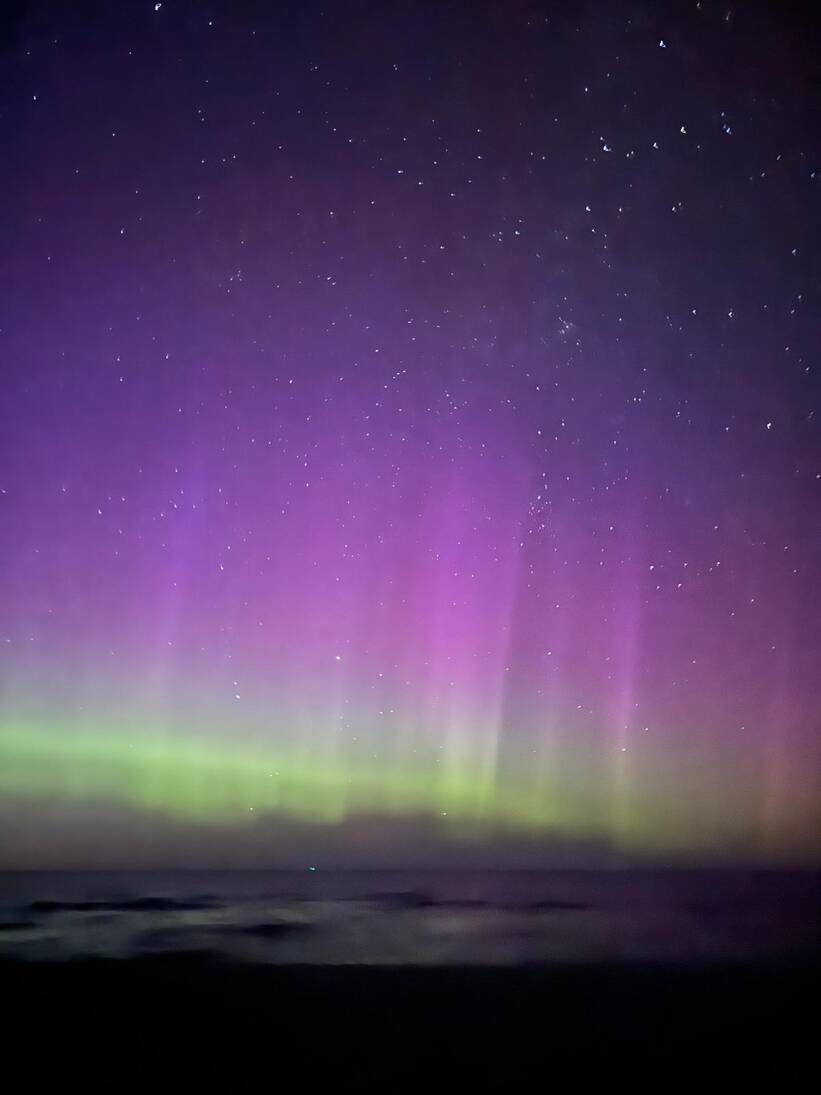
(391, 1027)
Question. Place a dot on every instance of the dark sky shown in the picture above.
(408, 433)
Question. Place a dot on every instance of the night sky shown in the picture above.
(408, 435)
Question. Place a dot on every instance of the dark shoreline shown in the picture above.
(370, 1021)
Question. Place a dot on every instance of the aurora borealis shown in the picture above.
(408, 424)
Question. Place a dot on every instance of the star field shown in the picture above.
(409, 414)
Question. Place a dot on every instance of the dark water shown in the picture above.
(413, 918)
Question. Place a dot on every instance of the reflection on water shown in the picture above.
(494, 918)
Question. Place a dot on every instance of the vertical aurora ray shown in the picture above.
(396, 462)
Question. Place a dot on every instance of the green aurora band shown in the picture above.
(207, 782)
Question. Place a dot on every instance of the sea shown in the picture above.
(471, 918)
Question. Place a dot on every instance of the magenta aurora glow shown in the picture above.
(409, 437)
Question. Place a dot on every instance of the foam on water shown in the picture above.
(495, 918)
